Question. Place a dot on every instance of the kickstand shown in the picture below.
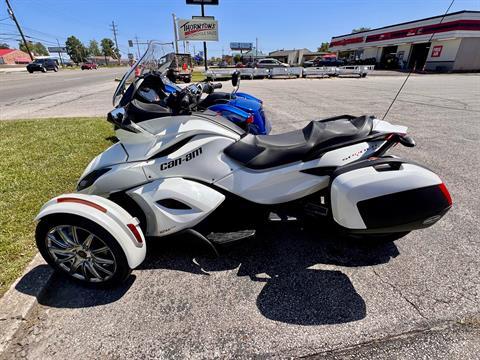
(204, 239)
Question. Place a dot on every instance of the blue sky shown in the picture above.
(277, 23)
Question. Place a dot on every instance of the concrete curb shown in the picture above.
(21, 298)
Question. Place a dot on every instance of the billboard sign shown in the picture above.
(200, 2)
(57, 49)
(241, 46)
(203, 29)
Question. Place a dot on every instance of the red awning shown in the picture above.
(328, 56)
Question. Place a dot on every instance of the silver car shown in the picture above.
(269, 63)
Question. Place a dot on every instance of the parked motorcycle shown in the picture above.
(146, 86)
(198, 173)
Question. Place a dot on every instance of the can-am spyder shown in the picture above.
(200, 174)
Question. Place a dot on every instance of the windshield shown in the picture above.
(158, 57)
(39, 61)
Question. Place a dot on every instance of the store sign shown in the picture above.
(202, 2)
(203, 29)
(437, 51)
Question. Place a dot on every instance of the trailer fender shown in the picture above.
(113, 218)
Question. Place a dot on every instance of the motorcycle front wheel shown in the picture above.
(81, 250)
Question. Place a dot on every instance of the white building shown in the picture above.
(455, 44)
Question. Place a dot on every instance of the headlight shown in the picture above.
(90, 178)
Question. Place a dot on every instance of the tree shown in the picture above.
(76, 50)
(93, 48)
(4, 46)
(40, 49)
(237, 58)
(108, 48)
(360, 29)
(324, 47)
(37, 48)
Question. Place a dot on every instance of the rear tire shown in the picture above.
(63, 241)
(55, 69)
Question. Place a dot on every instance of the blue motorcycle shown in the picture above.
(144, 91)
(240, 108)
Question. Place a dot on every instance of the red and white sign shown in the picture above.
(437, 51)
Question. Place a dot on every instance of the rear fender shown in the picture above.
(105, 213)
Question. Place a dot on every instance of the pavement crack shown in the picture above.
(400, 293)
(447, 325)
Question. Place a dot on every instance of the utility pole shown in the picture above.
(256, 48)
(204, 43)
(10, 12)
(138, 47)
(175, 32)
(115, 29)
(59, 53)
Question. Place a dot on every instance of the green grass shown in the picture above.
(39, 159)
(197, 76)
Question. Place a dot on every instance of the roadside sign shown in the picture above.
(202, 2)
(241, 46)
(203, 29)
(57, 49)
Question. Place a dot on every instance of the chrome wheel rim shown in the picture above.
(81, 253)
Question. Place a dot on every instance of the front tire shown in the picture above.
(81, 250)
(44, 70)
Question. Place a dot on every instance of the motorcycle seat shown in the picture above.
(267, 151)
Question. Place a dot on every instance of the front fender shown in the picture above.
(105, 213)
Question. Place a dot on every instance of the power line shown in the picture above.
(411, 71)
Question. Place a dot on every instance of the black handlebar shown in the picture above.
(187, 99)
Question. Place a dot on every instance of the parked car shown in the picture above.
(89, 66)
(269, 63)
(312, 62)
(42, 65)
(324, 61)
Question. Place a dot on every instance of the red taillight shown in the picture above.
(82, 201)
(250, 119)
(445, 193)
(135, 232)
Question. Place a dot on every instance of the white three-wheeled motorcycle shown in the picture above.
(196, 173)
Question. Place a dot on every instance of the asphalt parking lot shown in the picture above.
(290, 292)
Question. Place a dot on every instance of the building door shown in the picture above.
(418, 56)
(387, 61)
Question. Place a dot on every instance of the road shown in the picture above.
(65, 93)
(295, 293)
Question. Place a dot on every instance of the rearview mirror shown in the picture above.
(236, 78)
(116, 116)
